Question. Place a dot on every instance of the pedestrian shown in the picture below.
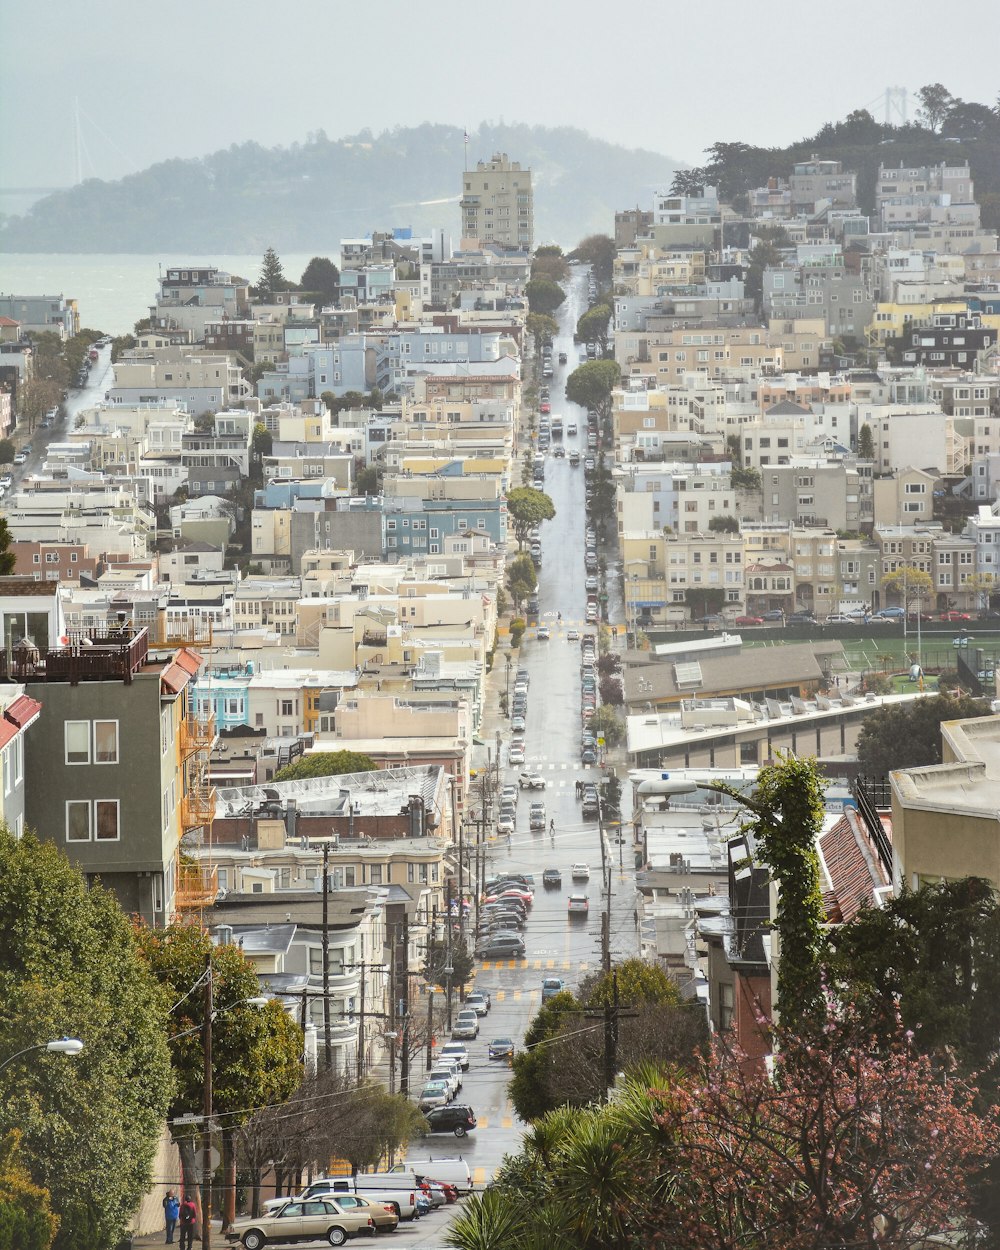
(188, 1217)
(171, 1206)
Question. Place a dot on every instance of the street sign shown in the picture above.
(600, 742)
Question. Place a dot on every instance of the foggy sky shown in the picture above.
(160, 80)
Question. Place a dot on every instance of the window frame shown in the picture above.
(66, 731)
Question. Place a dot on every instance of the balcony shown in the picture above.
(198, 733)
(114, 653)
(198, 806)
(197, 886)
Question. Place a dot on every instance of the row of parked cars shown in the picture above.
(503, 913)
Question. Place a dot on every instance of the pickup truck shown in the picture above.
(393, 1189)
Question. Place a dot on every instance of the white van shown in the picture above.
(454, 1171)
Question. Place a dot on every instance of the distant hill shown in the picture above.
(310, 195)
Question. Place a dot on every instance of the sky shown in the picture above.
(151, 81)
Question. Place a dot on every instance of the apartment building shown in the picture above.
(497, 204)
(118, 769)
(663, 574)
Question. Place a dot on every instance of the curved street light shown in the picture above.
(70, 1046)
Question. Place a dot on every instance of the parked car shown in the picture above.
(434, 1094)
(800, 618)
(300, 1219)
(775, 614)
(501, 1048)
(466, 1026)
(949, 616)
(711, 618)
(897, 614)
(458, 1119)
(502, 946)
(479, 1002)
(552, 986)
(578, 904)
(517, 724)
(588, 757)
(456, 1050)
(531, 781)
(552, 879)
(749, 620)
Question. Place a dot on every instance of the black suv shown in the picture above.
(457, 1119)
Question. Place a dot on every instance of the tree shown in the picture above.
(256, 1052)
(704, 600)
(910, 736)
(591, 384)
(326, 764)
(549, 263)
(764, 255)
(527, 508)
(866, 442)
(541, 327)
(723, 525)
(745, 478)
(611, 690)
(531, 1065)
(70, 965)
(321, 277)
(544, 295)
(913, 585)
(786, 818)
(689, 182)
(936, 102)
(598, 251)
(968, 121)
(7, 557)
(593, 326)
(367, 480)
(7, 451)
(521, 579)
(852, 1142)
(605, 724)
(272, 278)
(26, 1219)
(442, 954)
(984, 586)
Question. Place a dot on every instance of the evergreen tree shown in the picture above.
(272, 277)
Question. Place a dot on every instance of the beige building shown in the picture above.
(944, 816)
(748, 351)
(497, 204)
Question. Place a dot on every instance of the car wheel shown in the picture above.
(336, 1235)
(254, 1239)
(459, 1130)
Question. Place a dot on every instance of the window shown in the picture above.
(106, 820)
(286, 707)
(77, 734)
(77, 821)
(105, 742)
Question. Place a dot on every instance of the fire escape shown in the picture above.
(197, 883)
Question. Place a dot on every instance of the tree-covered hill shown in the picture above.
(309, 195)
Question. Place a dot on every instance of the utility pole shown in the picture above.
(611, 1035)
(392, 1010)
(361, 1026)
(430, 990)
(449, 954)
(327, 1040)
(404, 1055)
(206, 1139)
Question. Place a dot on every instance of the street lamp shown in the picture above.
(449, 972)
(70, 1046)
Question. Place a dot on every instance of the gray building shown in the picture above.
(118, 764)
(356, 525)
(42, 314)
(803, 292)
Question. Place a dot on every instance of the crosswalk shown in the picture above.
(564, 965)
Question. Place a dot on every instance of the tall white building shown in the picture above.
(498, 204)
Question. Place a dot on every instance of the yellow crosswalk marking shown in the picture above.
(479, 1176)
(482, 1121)
(584, 967)
(517, 996)
(501, 995)
(538, 964)
(550, 963)
(507, 1121)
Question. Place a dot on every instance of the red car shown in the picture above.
(749, 620)
(955, 616)
(544, 406)
(524, 896)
